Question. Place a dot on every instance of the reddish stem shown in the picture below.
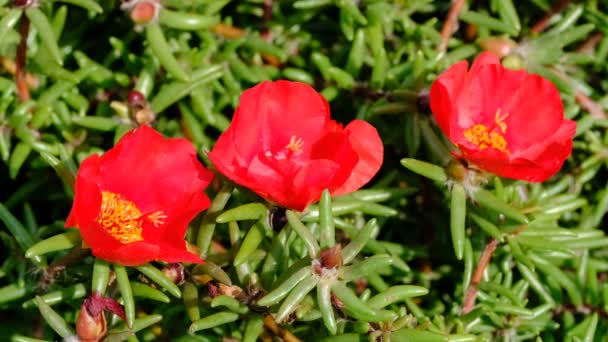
(449, 26)
(484, 261)
(268, 4)
(588, 46)
(542, 24)
(23, 90)
(283, 334)
(591, 106)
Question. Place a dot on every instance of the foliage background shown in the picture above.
(371, 59)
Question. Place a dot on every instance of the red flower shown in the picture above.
(133, 204)
(282, 145)
(504, 121)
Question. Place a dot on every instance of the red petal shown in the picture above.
(484, 58)
(295, 190)
(444, 94)
(270, 116)
(336, 146)
(309, 183)
(544, 160)
(139, 253)
(84, 207)
(538, 139)
(270, 113)
(535, 113)
(87, 201)
(132, 254)
(170, 253)
(175, 228)
(153, 172)
(157, 175)
(366, 142)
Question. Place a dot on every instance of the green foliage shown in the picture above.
(408, 264)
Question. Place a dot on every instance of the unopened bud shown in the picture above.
(331, 257)
(135, 98)
(91, 323)
(23, 3)
(513, 61)
(89, 327)
(423, 102)
(457, 171)
(500, 46)
(145, 12)
(213, 290)
(175, 272)
(278, 220)
(144, 116)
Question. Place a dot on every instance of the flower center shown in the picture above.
(293, 147)
(295, 144)
(485, 137)
(123, 220)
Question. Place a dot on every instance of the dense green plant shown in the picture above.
(416, 260)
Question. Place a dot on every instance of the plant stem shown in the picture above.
(284, 334)
(449, 25)
(20, 75)
(484, 260)
(544, 22)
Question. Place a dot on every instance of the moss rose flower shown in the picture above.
(133, 204)
(283, 145)
(507, 122)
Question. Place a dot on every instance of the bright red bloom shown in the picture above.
(507, 122)
(283, 145)
(133, 204)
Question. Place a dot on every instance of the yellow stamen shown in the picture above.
(483, 137)
(295, 144)
(157, 218)
(122, 219)
(500, 121)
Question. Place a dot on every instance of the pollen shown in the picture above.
(485, 137)
(123, 220)
(295, 144)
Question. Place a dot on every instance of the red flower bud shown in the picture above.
(133, 204)
(331, 257)
(144, 12)
(500, 46)
(175, 272)
(283, 145)
(504, 121)
(135, 98)
(23, 3)
(91, 322)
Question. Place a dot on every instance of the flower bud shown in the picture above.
(500, 46)
(457, 171)
(175, 272)
(278, 220)
(144, 116)
(135, 98)
(91, 323)
(331, 257)
(145, 12)
(23, 3)
(89, 327)
(513, 61)
(423, 102)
